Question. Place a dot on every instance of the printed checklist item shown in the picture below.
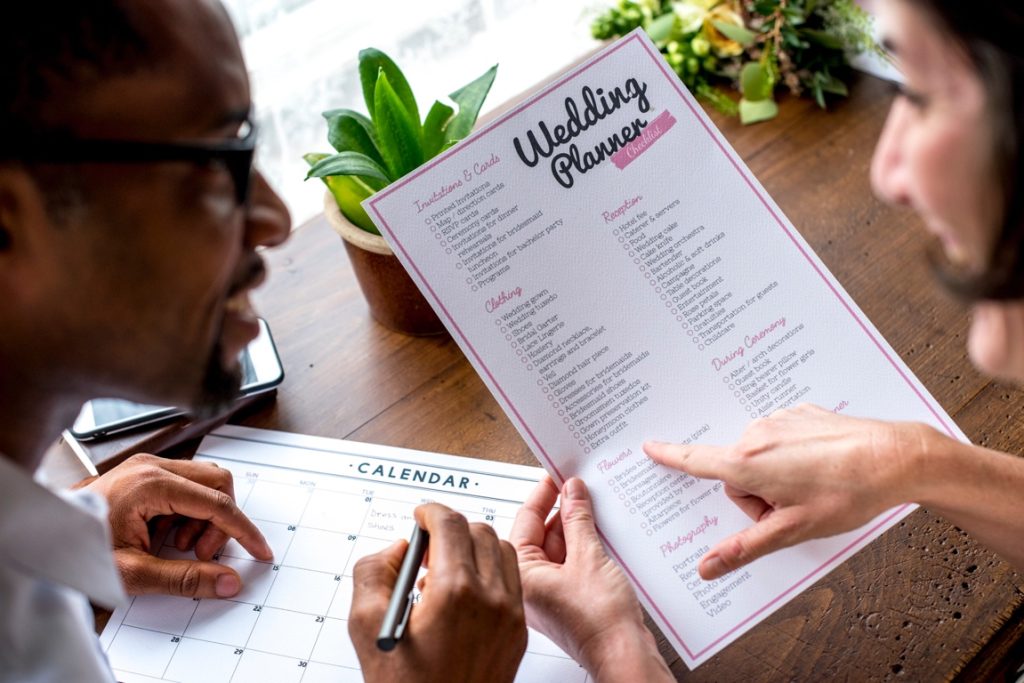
(322, 504)
(615, 273)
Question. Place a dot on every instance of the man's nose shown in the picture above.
(888, 165)
(267, 221)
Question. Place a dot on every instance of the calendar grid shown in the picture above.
(289, 623)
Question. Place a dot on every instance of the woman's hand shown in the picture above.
(575, 594)
(801, 473)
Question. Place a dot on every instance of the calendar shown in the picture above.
(322, 504)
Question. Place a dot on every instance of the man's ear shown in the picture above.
(25, 228)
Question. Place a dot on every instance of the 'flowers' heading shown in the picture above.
(597, 105)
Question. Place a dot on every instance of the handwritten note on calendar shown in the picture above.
(615, 273)
(322, 504)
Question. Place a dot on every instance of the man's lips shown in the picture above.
(239, 306)
(252, 275)
(240, 324)
(239, 327)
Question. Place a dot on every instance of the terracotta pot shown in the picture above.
(395, 301)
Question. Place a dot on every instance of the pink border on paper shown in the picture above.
(380, 196)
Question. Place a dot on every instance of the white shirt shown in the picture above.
(55, 555)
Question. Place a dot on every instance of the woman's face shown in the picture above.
(935, 156)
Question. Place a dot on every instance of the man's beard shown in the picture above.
(219, 389)
(220, 385)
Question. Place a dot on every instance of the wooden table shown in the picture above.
(921, 603)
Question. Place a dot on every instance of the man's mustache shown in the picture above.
(253, 273)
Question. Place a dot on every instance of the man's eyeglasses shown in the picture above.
(234, 154)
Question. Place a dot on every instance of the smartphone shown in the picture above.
(261, 371)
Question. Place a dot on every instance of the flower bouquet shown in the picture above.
(756, 46)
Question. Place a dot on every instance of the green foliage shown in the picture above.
(348, 191)
(470, 98)
(351, 131)
(755, 82)
(373, 151)
(756, 46)
(351, 163)
(755, 111)
(434, 128)
(373, 63)
(740, 34)
(400, 135)
(627, 15)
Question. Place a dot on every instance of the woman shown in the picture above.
(951, 150)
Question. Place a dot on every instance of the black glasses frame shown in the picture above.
(236, 155)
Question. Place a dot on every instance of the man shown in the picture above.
(129, 222)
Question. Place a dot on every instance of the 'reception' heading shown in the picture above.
(597, 105)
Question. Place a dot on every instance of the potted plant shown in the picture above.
(373, 151)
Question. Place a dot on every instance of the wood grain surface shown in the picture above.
(920, 603)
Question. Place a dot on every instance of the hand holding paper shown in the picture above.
(575, 594)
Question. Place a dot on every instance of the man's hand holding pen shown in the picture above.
(471, 601)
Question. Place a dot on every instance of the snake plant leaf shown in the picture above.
(470, 98)
(347, 133)
(434, 128)
(312, 158)
(354, 164)
(372, 63)
(363, 120)
(743, 36)
(348, 192)
(399, 134)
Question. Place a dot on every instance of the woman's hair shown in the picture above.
(992, 33)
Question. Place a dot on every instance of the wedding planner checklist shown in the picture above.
(615, 273)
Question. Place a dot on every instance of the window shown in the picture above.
(302, 57)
